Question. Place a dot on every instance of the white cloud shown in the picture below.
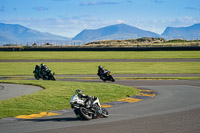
(184, 21)
(65, 26)
(159, 25)
(120, 21)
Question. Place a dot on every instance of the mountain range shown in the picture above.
(187, 33)
(14, 33)
(114, 32)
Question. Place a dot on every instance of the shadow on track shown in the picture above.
(54, 119)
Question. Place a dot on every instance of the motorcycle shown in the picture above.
(48, 75)
(37, 75)
(82, 112)
(106, 76)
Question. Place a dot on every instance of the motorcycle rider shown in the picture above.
(102, 72)
(43, 67)
(80, 104)
(37, 70)
(44, 70)
(88, 99)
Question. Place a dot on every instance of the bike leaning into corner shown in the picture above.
(86, 107)
(43, 72)
(105, 75)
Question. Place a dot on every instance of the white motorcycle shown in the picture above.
(82, 112)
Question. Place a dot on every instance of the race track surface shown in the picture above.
(8, 91)
(175, 109)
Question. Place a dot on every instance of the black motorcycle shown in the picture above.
(45, 75)
(49, 75)
(37, 75)
(107, 76)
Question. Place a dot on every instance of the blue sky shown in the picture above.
(69, 17)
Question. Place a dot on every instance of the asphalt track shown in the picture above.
(175, 109)
(133, 75)
(8, 91)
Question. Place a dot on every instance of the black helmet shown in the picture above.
(78, 91)
(37, 66)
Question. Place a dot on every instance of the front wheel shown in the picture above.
(84, 113)
(113, 80)
(53, 77)
(104, 112)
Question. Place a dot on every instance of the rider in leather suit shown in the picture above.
(88, 99)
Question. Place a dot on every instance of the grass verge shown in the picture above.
(26, 68)
(57, 95)
(94, 78)
(159, 78)
(99, 55)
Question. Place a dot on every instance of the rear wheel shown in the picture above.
(84, 113)
(36, 77)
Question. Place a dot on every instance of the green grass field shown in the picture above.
(57, 95)
(26, 68)
(100, 55)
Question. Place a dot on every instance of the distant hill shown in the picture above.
(187, 33)
(14, 33)
(114, 32)
(144, 40)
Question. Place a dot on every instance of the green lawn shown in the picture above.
(159, 78)
(99, 55)
(57, 95)
(23, 68)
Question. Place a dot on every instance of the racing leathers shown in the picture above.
(88, 99)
